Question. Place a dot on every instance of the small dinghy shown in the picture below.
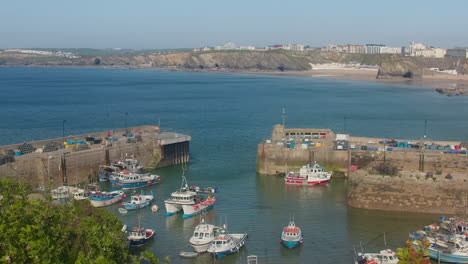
(186, 254)
(123, 211)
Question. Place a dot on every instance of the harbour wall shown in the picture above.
(70, 167)
(427, 180)
(274, 159)
(409, 192)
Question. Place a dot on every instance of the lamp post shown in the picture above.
(63, 129)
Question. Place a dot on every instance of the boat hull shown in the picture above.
(201, 248)
(300, 182)
(237, 247)
(130, 206)
(291, 244)
(136, 185)
(140, 242)
(106, 202)
(191, 210)
(446, 257)
(172, 208)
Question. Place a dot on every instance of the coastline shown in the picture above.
(442, 84)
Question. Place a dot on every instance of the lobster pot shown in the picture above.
(26, 148)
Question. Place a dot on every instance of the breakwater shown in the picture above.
(426, 176)
(79, 162)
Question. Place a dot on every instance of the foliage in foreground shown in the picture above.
(413, 255)
(37, 230)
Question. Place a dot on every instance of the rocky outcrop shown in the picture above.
(399, 69)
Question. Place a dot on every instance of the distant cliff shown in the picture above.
(390, 66)
(236, 60)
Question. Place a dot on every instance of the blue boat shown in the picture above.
(139, 236)
(291, 236)
(225, 244)
(446, 248)
(135, 180)
(139, 201)
(99, 199)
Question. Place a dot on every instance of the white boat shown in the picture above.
(384, 257)
(99, 199)
(80, 194)
(189, 201)
(291, 236)
(308, 175)
(203, 236)
(62, 192)
(225, 243)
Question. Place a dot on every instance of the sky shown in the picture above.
(156, 24)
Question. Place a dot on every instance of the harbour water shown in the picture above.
(227, 115)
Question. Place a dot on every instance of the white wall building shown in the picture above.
(390, 50)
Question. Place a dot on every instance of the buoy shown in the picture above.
(154, 208)
(125, 196)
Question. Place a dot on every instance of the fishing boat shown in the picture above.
(203, 235)
(225, 244)
(190, 202)
(201, 204)
(62, 192)
(99, 199)
(139, 236)
(135, 180)
(105, 172)
(131, 165)
(291, 236)
(384, 257)
(80, 194)
(308, 175)
(139, 201)
(446, 248)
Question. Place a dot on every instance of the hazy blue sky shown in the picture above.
(178, 24)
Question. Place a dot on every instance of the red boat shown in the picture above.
(308, 175)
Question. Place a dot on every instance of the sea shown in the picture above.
(227, 115)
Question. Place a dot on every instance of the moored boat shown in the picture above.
(451, 248)
(62, 192)
(135, 180)
(308, 175)
(225, 244)
(139, 201)
(291, 236)
(80, 194)
(203, 235)
(99, 199)
(384, 257)
(190, 202)
(139, 236)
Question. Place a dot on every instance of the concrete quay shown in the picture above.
(79, 164)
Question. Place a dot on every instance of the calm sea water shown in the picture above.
(227, 115)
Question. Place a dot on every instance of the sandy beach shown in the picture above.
(436, 81)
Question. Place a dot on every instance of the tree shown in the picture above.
(37, 230)
(97, 61)
(412, 254)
